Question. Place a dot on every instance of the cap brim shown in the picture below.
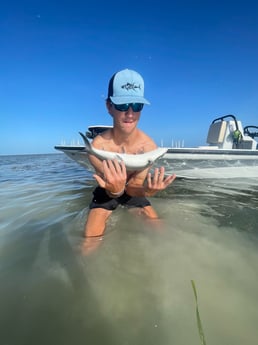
(129, 99)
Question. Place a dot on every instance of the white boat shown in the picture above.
(232, 152)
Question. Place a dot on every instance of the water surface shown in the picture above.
(136, 287)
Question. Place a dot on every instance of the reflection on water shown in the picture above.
(136, 288)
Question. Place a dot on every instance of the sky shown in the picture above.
(199, 61)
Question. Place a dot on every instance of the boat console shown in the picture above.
(226, 132)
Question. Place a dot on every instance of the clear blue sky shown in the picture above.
(199, 60)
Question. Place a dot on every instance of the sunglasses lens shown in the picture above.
(124, 107)
(137, 106)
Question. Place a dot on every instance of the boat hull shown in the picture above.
(192, 163)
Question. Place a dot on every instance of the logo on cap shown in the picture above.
(129, 86)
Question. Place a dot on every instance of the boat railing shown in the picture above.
(222, 118)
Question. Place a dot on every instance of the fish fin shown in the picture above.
(119, 158)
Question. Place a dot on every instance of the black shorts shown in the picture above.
(102, 200)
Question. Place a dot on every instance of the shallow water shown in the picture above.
(136, 288)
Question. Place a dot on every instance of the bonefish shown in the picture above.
(132, 162)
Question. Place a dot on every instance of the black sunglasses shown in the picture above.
(124, 107)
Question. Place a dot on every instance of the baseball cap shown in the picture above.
(126, 86)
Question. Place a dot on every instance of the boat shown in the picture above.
(231, 152)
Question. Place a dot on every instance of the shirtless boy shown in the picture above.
(116, 186)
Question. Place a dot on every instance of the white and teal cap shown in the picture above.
(126, 86)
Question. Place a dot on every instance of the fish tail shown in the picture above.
(86, 142)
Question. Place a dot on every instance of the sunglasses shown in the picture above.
(124, 107)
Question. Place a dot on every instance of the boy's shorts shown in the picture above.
(102, 200)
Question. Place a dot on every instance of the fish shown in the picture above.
(133, 162)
